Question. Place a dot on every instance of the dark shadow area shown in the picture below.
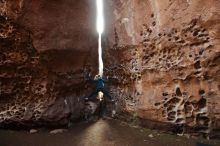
(99, 133)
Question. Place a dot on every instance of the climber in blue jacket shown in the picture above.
(100, 87)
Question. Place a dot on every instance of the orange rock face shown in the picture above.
(166, 57)
(45, 50)
(163, 56)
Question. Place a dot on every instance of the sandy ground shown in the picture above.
(99, 133)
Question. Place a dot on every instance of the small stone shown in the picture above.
(194, 137)
(151, 136)
(180, 134)
(56, 131)
(33, 131)
(187, 136)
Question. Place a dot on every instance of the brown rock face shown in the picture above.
(60, 24)
(163, 57)
(166, 57)
(46, 49)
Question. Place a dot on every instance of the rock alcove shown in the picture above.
(164, 57)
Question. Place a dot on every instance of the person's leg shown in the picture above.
(92, 95)
(102, 109)
(112, 103)
(107, 95)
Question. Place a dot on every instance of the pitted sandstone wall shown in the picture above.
(163, 56)
(166, 57)
(45, 52)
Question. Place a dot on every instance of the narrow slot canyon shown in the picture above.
(161, 69)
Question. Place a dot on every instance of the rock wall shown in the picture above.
(165, 56)
(46, 49)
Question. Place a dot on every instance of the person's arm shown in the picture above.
(88, 77)
(105, 80)
(109, 79)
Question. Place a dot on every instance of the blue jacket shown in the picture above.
(100, 83)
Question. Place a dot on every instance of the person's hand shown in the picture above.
(89, 75)
(114, 77)
(112, 100)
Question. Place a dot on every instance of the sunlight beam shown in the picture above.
(100, 17)
(100, 29)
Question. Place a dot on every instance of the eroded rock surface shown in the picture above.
(45, 51)
(165, 56)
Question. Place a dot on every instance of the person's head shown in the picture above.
(98, 77)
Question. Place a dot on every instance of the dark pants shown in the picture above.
(102, 108)
(102, 105)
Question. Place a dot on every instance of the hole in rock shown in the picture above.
(201, 92)
(164, 115)
(201, 51)
(182, 41)
(203, 30)
(179, 128)
(172, 114)
(176, 38)
(170, 108)
(188, 108)
(202, 121)
(149, 30)
(190, 119)
(152, 15)
(178, 92)
(157, 104)
(195, 33)
(173, 101)
(197, 65)
(179, 111)
(165, 105)
(171, 118)
(152, 54)
(202, 103)
(180, 121)
(197, 72)
(154, 23)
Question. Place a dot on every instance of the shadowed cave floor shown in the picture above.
(100, 133)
